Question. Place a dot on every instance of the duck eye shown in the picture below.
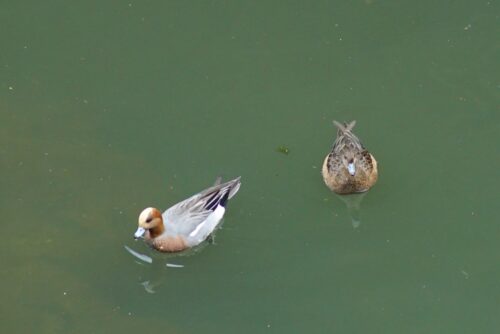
(149, 220)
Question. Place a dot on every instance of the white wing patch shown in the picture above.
(209, 224)
(198, 228)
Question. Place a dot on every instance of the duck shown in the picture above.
(189, 222)
(349, 167)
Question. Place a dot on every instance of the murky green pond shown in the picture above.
(109, 107)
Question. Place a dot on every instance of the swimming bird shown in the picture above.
(349, 167)
(187, 223)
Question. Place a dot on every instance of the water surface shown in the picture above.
(107, 108)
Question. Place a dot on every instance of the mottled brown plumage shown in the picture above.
(349, 167)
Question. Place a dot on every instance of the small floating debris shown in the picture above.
(283, 149)
(466, 274)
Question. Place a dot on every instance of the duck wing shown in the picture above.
(185, 217)
(365, 161)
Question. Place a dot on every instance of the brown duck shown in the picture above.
(349, 167)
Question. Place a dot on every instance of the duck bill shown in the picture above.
(139, 233)
(351, 168)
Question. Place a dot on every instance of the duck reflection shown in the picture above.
(353, 204)
(157, 265)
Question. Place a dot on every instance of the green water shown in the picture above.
(109, 107)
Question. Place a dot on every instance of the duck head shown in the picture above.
(150, 220)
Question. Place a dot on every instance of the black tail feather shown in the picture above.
(212, 202)
(224, 198)
(215, 200)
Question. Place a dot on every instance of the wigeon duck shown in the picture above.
(187, 223)
(349, 167)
